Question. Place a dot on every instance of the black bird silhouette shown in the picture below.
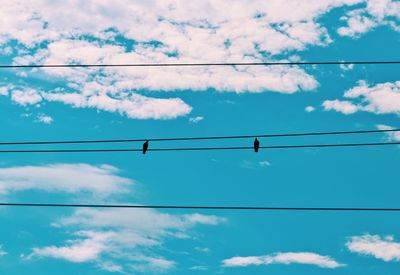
(256, 145)
(145, 147)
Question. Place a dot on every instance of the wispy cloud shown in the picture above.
(2, 251)
(264, 163)
(102, 180)
(78, 250)
(131, 105)
(247, 164)
(199, 268)
(283, 258)
(202, 249)
(121, 237)
(111, 239)
(196, 119)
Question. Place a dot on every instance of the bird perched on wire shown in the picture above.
(145, 147)
(256, 145)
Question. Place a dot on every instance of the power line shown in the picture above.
(201, 148)
(198, 138)
(202, 207)
(15, 66)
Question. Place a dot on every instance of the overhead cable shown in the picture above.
(197, 138)
(203, 207)
(201, 148)
(282, 63)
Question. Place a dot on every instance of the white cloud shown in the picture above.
(374, 13)
(203, 219)
(115, 240)
(264, 163)
(143, 220)
(44, 119)
(199, 268)
(155, 24)
(4, 91)
(202, 249)
(345, 107)
(391, 136)
(26, 96)
(309, 109)
(125, 239)
(383, 98)
(243, 261)
(132, 106)
(100, 180)
(110, 266)
(152, 265)
(2, 251)
(196, 119)
(117, 80)
(346, 67)
(357, 24)
(6, 50)
(254, 165)
(283, 258)
(170, 31)
(373, 245)
(77, 251)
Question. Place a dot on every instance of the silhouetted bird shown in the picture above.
(256, 145)
(145, 147)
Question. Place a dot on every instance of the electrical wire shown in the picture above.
(199, 138)
(16, 66)
(202, 148)
(202, 207)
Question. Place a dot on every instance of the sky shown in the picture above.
(152, 102)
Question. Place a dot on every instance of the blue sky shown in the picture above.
(117, 103)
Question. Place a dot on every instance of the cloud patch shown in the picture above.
(168, 32)
(383, 98)
(309, 109)
(26, 96)
(45, 119)
(101, 180)
(383, 248)
(122, 239)
(128, 104)
(374, 13)
(2, 251)
(286, 258)
(196, 119)
(171, 32)
(77, 251)
(345, 107)
(390, 136)
(114, 240)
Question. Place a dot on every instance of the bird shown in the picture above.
(256, 145)
(145, 147)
